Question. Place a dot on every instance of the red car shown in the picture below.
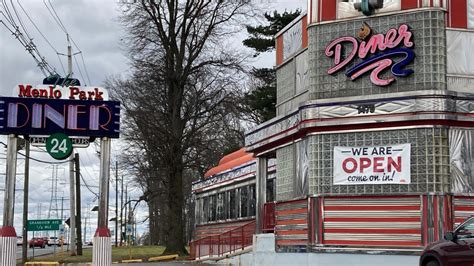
(37, 242)
(456, 249)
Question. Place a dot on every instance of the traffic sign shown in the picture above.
(61, 230)
(129, 229)
(59, 146)
(43, 225)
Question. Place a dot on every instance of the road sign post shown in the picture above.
(7, 232)
(102, 249)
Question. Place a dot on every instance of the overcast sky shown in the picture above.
(94, 27)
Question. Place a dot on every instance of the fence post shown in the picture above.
(242, 240)
(210, 245)
(196, 245)
(218, 245)
(230, 241)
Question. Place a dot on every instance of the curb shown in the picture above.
(132, 261)
(163, 258)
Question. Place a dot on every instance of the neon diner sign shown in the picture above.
(377, 54)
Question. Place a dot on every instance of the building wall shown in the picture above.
(292, 84)
(429, 65)
(285, 173)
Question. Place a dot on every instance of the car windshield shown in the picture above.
(466, 230)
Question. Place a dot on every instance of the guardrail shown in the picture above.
(227, 242)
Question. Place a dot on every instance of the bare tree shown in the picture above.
(180, 99)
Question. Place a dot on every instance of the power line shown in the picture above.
(80, 72)
(27, 43)
(85, 68)
(55, 16)
(87, 186)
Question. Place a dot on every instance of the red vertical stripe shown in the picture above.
(328, 10)
(320, 220)
(448, 213)
(304, 24)
(424, 223)
(409, 4)
(319, 10)
(436, 217)
(458, 14)
(431, 3)
(279, 50)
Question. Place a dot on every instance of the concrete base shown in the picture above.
(7, 246)
(102, 248)
(263, 253)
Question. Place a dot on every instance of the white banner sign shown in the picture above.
(372, 165)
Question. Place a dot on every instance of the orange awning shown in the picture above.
(230, 161)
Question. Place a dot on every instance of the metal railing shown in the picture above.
(269, 217)
(227, 242)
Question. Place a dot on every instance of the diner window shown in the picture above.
(270, 190)
(205, 210)
(232, 204)
(252, 200)
(220, 207)
(244, 200)
(212, 207)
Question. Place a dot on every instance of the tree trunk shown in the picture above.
(175, 241)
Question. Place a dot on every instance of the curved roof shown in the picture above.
(230, 161)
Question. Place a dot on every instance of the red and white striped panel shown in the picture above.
(460, 12)
(291, 223)
(389, 221)
(463, 208)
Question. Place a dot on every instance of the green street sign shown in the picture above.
(43, 225)
(59, 146)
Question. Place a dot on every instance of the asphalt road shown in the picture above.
(37, 251)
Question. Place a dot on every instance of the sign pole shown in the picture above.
(33, 244)
(72, 206)
(24, 247)
(7, 232)
(102, 249)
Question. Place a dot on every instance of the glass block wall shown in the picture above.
(429, 160)
(429, 65)
(286, 81)
(285, 173)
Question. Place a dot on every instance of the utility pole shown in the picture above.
(72, 201)
(78, 205)
(62, 209)
(121, 213)
(24, 247)
(116, 202)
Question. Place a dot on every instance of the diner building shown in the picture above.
(372, 147)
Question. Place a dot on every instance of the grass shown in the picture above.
(118, 253)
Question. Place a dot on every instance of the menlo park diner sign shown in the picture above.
(46, 109)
